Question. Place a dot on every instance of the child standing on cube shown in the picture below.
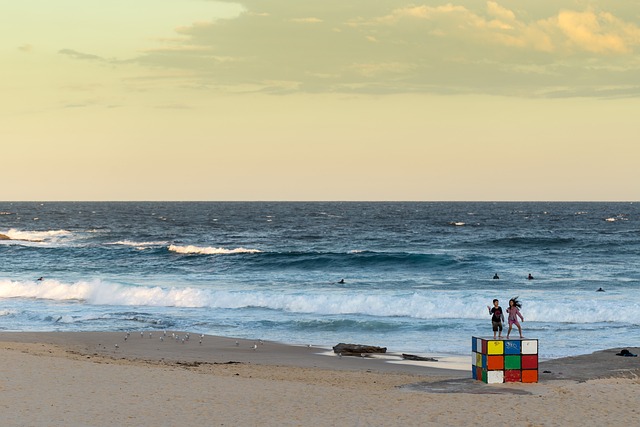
(514, 313)
(496, 318)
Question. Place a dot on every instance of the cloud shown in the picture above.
(494, 9)
(307, 20)
(597, 32)
(79, 55)
(285, 46)
(174, 107)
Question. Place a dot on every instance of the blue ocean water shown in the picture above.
(417, 276)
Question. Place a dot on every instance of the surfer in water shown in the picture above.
(495, 276)
(530, 277)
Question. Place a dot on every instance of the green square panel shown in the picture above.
(512, 362)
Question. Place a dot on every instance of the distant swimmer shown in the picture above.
(341, 281)
(40, 279)
(495, 276)
(600, 290)
(530, 277)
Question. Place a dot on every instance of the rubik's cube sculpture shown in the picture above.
(505, 361)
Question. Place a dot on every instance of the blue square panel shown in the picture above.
(511, 347)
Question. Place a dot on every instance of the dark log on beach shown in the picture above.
(414, 357)
(357, 349)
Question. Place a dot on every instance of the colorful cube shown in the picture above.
(500, 361)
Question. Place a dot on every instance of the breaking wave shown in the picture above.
(415, 305)
(35, 236)
(197, 250)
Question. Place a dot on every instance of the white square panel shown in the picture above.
(529, 346)
(495, 377)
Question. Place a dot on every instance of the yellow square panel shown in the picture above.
(495, 347)
(478, 359)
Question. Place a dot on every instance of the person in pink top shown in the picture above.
(514, 313)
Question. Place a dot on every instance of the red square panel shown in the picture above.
(529, 361)
(495, 363)
(530, 376)
(512, 376)
(484, 346)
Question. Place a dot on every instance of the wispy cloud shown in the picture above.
(26, 48)
(79, 55)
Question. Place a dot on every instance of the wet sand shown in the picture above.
(83, 378)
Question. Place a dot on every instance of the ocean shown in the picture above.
(414, 277)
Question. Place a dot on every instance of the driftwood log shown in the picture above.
(357, 349)
(421, 358)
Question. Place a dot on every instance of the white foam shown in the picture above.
(423, 304)
(36, 236)
(100, 293)
(138, 245)
(190, 249)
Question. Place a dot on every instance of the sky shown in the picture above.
(320, 100)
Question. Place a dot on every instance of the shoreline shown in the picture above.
(82, 378)
(219, 349)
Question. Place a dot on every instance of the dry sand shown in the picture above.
(82, 379)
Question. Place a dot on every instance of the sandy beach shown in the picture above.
(100, 379)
